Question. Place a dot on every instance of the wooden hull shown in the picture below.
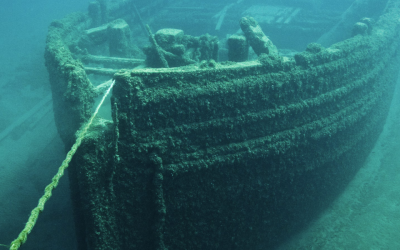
(234, 155)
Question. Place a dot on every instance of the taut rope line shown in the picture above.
(22, 237)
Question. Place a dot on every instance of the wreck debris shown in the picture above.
(363, 27)
(119, 36)
(238, 48)
(179, 49)
(159, 53)
(116, 33)
(256, 37)
(360, 29)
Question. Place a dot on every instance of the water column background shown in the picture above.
(30, 148)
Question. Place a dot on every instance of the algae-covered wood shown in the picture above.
(228, 155)
(235, 155)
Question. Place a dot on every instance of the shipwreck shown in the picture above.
(207, 145)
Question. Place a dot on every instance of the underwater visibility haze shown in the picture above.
(182, 124)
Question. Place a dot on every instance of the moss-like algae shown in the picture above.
(230, 156)
(73, 94)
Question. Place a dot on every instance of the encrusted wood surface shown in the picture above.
(233, 155)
